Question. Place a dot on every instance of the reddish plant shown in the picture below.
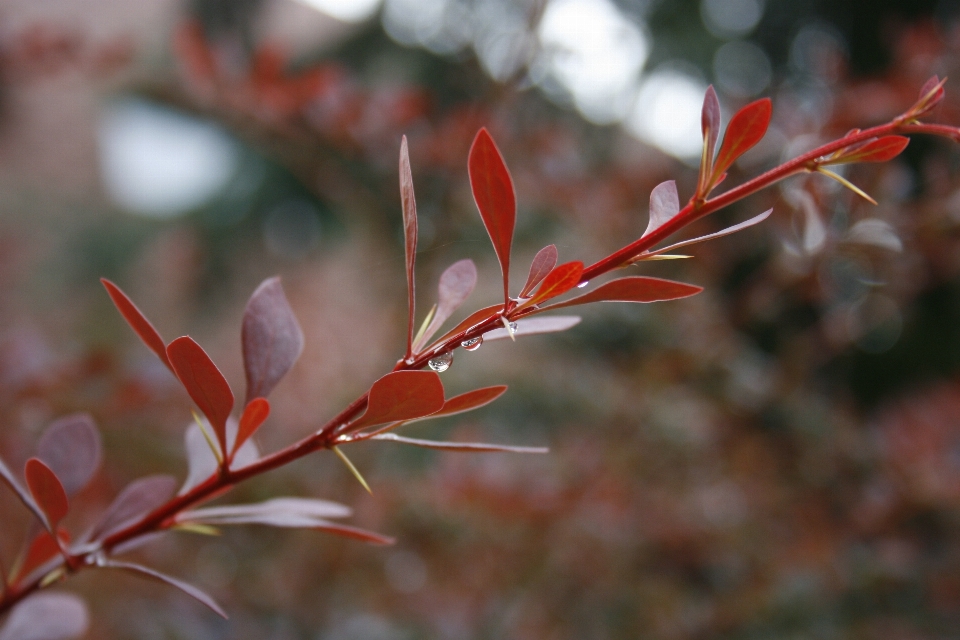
(221, 451)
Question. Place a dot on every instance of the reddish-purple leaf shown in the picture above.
(710, 125)
(204, 382)
(471, 320)
(253, 416)
(136, 500)
(47, 616)
(47, 491)
(137, 321)
(402, 395)
(409, 204)
(930, 96)
(563, 278)
(272, 339)
(186, 587)
(11, 481)
(456, 284)
(493, 192)
(71, 448)
(746, 128)
(543, 263)
(633, 289)
(301, 507)
(664, 205)
(466, 447)
(471, 400)
(532, 326)
(879, 150)
(719, 234)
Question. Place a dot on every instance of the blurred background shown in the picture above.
(777, 457)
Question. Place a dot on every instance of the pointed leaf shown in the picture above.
(470, 400)
(532, 326)
(11, 481)
(710, 126)
(253, 416)
(664, 205)
(187, 588)
(879, 150)
(563, 278)
(710, 236)
(456, 284)
(633, 289)
(272, 339)
(746, 128)
(204, 382)
(303, 507)
(137, 321)
(402, 395)
(543, 263)
(71, 448)
(47, 616)
(136, 500)
(354, 532)
(201, 462)
(409, 204)
(466, 447)
(493, 192)
(930, 96)
(473, 319)
(47, 491)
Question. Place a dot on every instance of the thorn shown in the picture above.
(353, 469)
(206, 436)
(506, 325)
(423, 328)
(197, 527)
(849, 185)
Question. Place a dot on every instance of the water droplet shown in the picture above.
(472, 344)
(583, 284)
(513, 327)
(441, 362)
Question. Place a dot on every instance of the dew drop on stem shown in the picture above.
(441, 362)
(472, 344)
(583, 284)
(513, 327)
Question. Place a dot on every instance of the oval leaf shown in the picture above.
(664, 205)
(633, 289)
(272, 339)
(136, 500)
(11, 481)
(402, 395)
(543, 263)
(494, 194)
(253, 416)
(879, 150)
(747, 127)
(532, 326)
(47, 616)
(204, 382)
(409, 204)
(137, 321)
(47, 491)
(563, 278)
(71, 448)
(187, 588)
(456, 284)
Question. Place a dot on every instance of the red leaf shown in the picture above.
(495, 198)
(402, 395)
(879, 150)
(272, 338)
(464, 447)
(710, 125)
(136, 500)
(456, 284)
(470, 400)
(469, 321)
(930, 96)
(137, 321)
(47, 616)
(563, 278)
(633, 289)
(42, 550)
(543, 263)
(710, 236)
(409, 205)
(11, 481)
(187, 588)
(204, 382)
(532, 326)
(47, 491)
(664, 205)
(253, 416)
(71, 448)
(746, 129)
